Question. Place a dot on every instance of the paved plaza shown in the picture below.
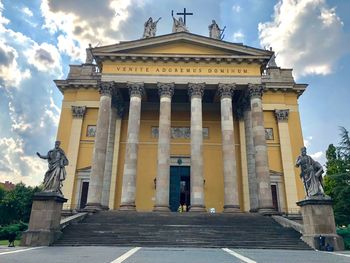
(165, 255)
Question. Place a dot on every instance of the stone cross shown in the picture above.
(184, 14)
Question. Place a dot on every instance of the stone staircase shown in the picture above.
(113, 228)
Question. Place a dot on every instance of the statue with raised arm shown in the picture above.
(311, 174)
(56, 173)
(150, 28)
(178, 24)
(89, 58)
(215, 31)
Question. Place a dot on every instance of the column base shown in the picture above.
(330, 240)
(35, 238)
(197, 208)
(268, 211)
(159, 208)
(127, 207)
(232, 209)
(93, 208)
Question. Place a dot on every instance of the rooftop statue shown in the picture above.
(150, 28)
(89, 58)
(272, 61)
(215, 31)
(56, 173)
(178, 25)
(311, 174)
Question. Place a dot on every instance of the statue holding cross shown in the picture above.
(179, 24)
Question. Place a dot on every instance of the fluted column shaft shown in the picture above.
(253, 187)
(197, 181)
(231, 202)
(166, 91)
(100, 147)
(261, 157)
(136, 91)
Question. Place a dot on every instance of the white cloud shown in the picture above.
(45, 57)
(307, 141)
(236, 8)
(238, 36)
(16, 166)
(307, 35)
(10, 74)
(27, 11)
(317, 156)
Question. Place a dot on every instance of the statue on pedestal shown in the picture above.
(178, 25)
(150, 28)
(311, 174)
(215, 31)
(89, 57)
(56, 173)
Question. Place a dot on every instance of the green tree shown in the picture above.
(16, 204)
(337, 179)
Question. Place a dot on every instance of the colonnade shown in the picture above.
(258, 170)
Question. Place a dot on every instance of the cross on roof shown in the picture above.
(184, 14)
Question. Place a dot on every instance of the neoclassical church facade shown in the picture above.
(181, 120)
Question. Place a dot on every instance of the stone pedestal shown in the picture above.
(318, 220)
(44, 223)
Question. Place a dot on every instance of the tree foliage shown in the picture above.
(337, 179)
(16, 204)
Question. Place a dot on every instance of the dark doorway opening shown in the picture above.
(274, 196)
(84, 194)
(180, 188)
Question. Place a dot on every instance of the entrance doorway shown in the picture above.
(84, 194)
(180, 189)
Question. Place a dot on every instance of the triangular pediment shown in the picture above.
(181, 43)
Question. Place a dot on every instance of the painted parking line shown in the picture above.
(19, 250)
(239, 256)
(338, 254)
(126, 255)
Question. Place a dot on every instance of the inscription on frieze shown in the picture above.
(180, 132)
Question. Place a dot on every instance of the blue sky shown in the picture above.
(40, 38)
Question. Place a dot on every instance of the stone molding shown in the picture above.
(196, 89)
(136, 89)
(255, 91)
(105, 88)
(282, 115)
(226, 90)
(78, 111)
(166, 89)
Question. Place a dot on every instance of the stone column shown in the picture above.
(287, 161)
(231, 202)
(78, 113)
(136, 91)
(100, 147)
(196, 91)
(166, 91)
(261, 158)
(253, 186)
(109, 159)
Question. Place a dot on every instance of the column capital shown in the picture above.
(226, 90)
(255, 91)
(105, 88)
(78, 111)
(196, 89)
(166, 89)
(282, 115)
(136, 89)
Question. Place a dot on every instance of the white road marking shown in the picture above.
(239, 256)
(126, 255)
(19, 250)
(338, 254)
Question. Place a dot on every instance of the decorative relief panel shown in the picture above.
(91, 131)
(180, 132)
(269, 134)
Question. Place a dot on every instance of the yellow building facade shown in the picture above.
(181, 120)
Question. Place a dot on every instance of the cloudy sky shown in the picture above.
(40, 38)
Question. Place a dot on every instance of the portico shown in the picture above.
(203, 102)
